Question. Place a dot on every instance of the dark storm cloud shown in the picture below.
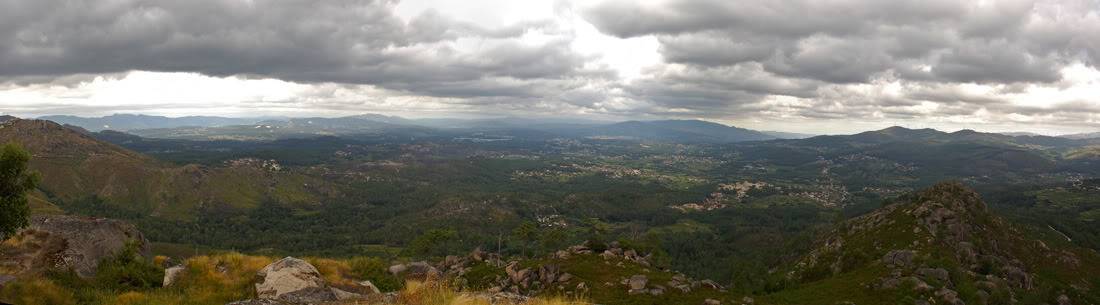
(343, 41)
(928, 48)
(852, 41)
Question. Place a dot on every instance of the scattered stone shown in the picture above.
(1063, 300)
(258, 302)
(1018, 276)
(899, 258)
(172, 275)
(938, 274)
(712, 302)
(564, 277)
(397, 269)
(711, 284)
(949, 296)
(420, 271)
(4, 279)
(311, 295)
(637, 281)
(637, 284)
(370, 287)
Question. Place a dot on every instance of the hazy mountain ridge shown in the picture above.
(688, 131)
(127, 122)
(1082, 136)
(215, 128)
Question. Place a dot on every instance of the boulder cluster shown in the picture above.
(520, 279)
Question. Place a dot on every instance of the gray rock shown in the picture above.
(564, 277)
(899, 258)
(342, 295)
(88, 240)
(172, 275)
(637, 282)
(292, 279)
(311, 295)
(397, 269)
(258, 302)
(370, 287)
(1018, 276)
(938, 274)
(421, 271)
(711, 284)
(1063, 300)
(949, 297)
(4, 279)
(712, 302)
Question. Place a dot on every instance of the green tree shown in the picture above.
(15, 182)
(526, 234)
(433, 243)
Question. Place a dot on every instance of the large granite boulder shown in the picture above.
(286, 276)
(296, 281)
(76, 242)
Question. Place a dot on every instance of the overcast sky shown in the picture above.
(822, 66)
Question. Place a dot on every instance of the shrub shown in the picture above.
(128, 270)
(374, 270)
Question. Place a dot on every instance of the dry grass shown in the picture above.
(36, 291)
(222, 278)
(433, 293)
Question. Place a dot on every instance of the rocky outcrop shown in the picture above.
(70, 242)
(294, 281)
(936, 243)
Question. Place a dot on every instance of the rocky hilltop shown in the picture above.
(942, 245)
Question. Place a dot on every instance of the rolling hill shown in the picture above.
(81, 173)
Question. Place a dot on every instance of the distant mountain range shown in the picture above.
(1088, 135)
(221, 128)
(127, 122)
(690, 131)
(684, 131)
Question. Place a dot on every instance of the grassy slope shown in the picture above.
(77, 168)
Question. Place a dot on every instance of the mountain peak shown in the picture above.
(935, 244)
(952, 195)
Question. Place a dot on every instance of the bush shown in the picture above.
(127, 271)
(374, 270)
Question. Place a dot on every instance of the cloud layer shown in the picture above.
(747, 62)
